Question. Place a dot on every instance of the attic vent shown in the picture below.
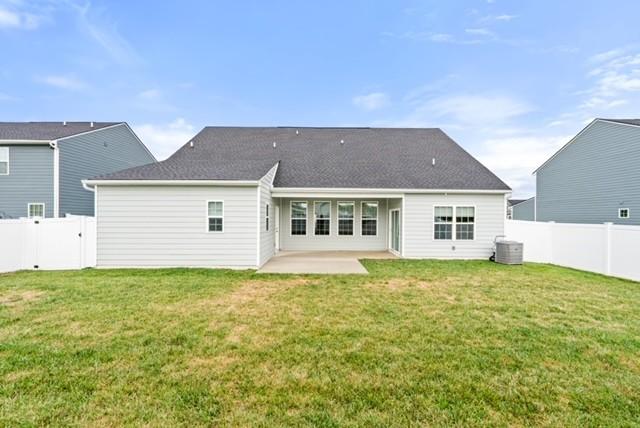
(274, 144)
(433, 161)
(64, 123)
(91, 125)
(297, 132)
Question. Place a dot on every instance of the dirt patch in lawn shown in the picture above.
(19, 298)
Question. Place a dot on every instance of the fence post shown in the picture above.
(607, 248)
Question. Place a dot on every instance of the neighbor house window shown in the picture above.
(369, 217)
(266, 217)
(322, 218)
(623, 213)
(465, 221)
(4, 160)
(35, 210)
(215, 213)
(345, 218)
(298, 218)
(442, 222)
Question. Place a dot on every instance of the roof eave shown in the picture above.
(115, 182)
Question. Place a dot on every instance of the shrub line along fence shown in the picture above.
(47, 244)
(609, 249)
(70, 243)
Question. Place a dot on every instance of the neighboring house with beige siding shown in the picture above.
(42, 164)
(594, 178)
(233, 197)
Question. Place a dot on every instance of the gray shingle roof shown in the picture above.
(626, 121)
(46, 130)
(512, 202)
(391, 158)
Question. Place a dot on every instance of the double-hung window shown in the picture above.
(322, 218)
(465, 223)
(4, 160)
(446, 220)
(35, 210)
(369, 223)
(298, 218)
(442, 222)
(215, 214)
(345, 218)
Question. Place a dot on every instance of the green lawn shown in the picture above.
(414, 343)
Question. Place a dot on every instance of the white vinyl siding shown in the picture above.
(4, 160)
(267, 233)
(162, 226)
(333, 242)
(418, 226)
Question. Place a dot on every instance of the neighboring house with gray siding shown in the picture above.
(42, 164)
(234, 197)
(524, 210)
(594, 178)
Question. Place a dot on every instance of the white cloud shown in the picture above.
(372, 101)
(164, 139)
(18, 20)
(479, 32)
(68, 82)
(468, 110)
(105, 33)
(515, 158)
(150, 94)
(505, 17)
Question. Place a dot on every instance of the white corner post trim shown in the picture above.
(56, 178)
(258, 230)
(402, 238)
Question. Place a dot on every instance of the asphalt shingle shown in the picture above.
(391, 158)
(47, 131)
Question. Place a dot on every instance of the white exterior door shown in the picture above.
(276, 225)
(394, 230)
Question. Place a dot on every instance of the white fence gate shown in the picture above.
(48, 244)
(610, 249)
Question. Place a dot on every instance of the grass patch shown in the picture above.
(413, 343)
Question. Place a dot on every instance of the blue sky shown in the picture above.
(510, 81)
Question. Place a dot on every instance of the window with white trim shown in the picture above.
(465, 223)
(266, 217)
(369, 218)
(345, 218)
(215, 214)
(4, 160)
(624, 213)
(35, 210)
(298, 217)
(322, 218)
(442, 222)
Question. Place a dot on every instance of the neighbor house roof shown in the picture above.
(47, 131)
(635, 122)
(512, 202)
(364, 158)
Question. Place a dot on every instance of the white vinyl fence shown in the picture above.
(607, 248)
(47, 244)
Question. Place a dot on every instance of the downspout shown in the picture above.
(56, 178)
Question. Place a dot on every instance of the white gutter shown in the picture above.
(24, 142)
(302, 191)
(56, 178)
(235, 183)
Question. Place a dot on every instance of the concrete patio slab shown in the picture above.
(321, 262)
